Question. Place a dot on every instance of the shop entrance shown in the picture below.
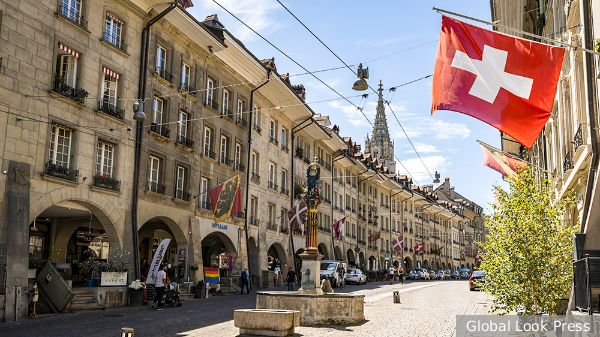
(151, 234)
(216, 246)
(276, 257)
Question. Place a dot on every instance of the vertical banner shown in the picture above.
(224, 262)
(157, 260)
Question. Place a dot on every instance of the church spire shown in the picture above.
(380, 145)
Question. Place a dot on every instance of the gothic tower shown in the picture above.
(380, 145)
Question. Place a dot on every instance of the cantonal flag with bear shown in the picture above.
(507, 82)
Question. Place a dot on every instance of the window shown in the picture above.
(225, 102)
(109, 87)
(207, 135)
(271, 216)
(60, 145)
(283, 218)
(154, 170)
(209, 91)
(179, 194)
(284, 179)
(161, 60)
(272, 170)
(204, 193)
(223, 158)
(71, 9)
(255, 162)
(158, 113)
(272, 132)
(283, 137)
(68, 68)
(256, 118)
(185, 77)
(112, 30)
(238, 156)
(240, 110)
(182, 125)
(104, 159)
(253, 210)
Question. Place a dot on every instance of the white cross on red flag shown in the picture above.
(507, 82)
(420, 247)
(338, 227)
(398, 243)
(477, 257)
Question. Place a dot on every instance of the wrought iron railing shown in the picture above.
(188, 89)
(211, 104)
(272, 226)
(115, 41)
(255, 176)
(285, 191)
(239, 167)
(273, 140)
(285, 148)
(254, 221)
(182, 195)
(107, 182)
(226, 113)
(185, 141)
(257, 129)
(325, 164)
(568, 162)
(155, 187)
(327, 200)
(164, 74)
(160, 129)
(204, 204)
(62, 172)
(210, 154)
(586, 275)
(242, 122)
(226, 161)
(272, 185)
(71, 14)
(284, 229)
(578, 139)
(111, 110)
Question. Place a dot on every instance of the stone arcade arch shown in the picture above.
(323, 251)
(276, 251)
(153, 231)
(408, 263)
(215, 244)
(337, 253)
(350, 257)
(371, 265)
(253, 258)
(361, 259)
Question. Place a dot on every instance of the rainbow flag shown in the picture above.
(211, 275)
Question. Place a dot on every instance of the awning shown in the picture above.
(111, 73)
(68, 50)
(114, 18)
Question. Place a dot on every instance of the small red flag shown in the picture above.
(338, 227)
(398, 243)
(501, 163)
(504, 81)
(420, 247)
(374, 236)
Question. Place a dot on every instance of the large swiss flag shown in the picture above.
(507, 82)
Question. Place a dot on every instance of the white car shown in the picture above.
(355, 276)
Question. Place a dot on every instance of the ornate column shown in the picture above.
(311, 259)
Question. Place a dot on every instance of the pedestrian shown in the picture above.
(392, 270)
(144, 267)
(277, 272)
(341, 279)
(161, 285)
(291, 279)
(245, 276)
(401, 274)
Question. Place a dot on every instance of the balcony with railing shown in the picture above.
(227, 114)
(107, 182)
(241, 122)
(325, 164)
(578, 140)
(111, 110)
(284, 148)
(271, 184)
(271, 226)
(273, 140)
(257, 129)
(254, 221)
(327, 230)
(568, 162)
(210, 154)
(182, 195)
(226, 161)
(255, 177)
(164, 74)
(72, 14)
(284, 229)
(115, 40)
(76, 95)
(186, 142)
(354, 211)
(160, 130)
(240, 215)
(155, 187)
(326, 200)
(285, 191)
(188, 89)
(211, 104)
(239, 167)
(204, 204)
(62, 172)
(298, 233)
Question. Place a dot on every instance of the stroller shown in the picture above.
(172, 299)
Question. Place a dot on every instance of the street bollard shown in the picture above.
(397, 297)
(126, 332)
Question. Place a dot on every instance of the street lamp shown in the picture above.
(139, 115)
(360, 84)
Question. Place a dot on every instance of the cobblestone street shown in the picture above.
(427, 309)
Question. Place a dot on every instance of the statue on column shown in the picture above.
(313, 174)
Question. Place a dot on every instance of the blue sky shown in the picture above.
(358, 32)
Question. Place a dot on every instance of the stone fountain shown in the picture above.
(314, 306)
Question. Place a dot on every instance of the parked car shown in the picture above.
(464, 275)
(433, 275)
(413, 275)
(422, 274)
(442, 275)
(329, 271)
(455, 275)
(476, 280)
(355, 276)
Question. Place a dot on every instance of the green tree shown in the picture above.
(528, 251)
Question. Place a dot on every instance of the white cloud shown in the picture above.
(381, 43)
(419, 172)
(257, 14)
(423, 126)
(423, 148)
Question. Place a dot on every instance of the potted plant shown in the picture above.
(59, 79)
(194, 267)
(299, 152)
(136, 293)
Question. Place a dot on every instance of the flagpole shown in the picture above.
(514, 157)
(518, 31)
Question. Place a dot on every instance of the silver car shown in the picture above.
(355, 276)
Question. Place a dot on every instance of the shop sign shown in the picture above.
(88, 237)
(113, 279)
(182, 255)
(387, 256)
(219, 226)
(224, 262)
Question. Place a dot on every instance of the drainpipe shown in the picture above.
(589, 80)
(248, 166)
(138, 134)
